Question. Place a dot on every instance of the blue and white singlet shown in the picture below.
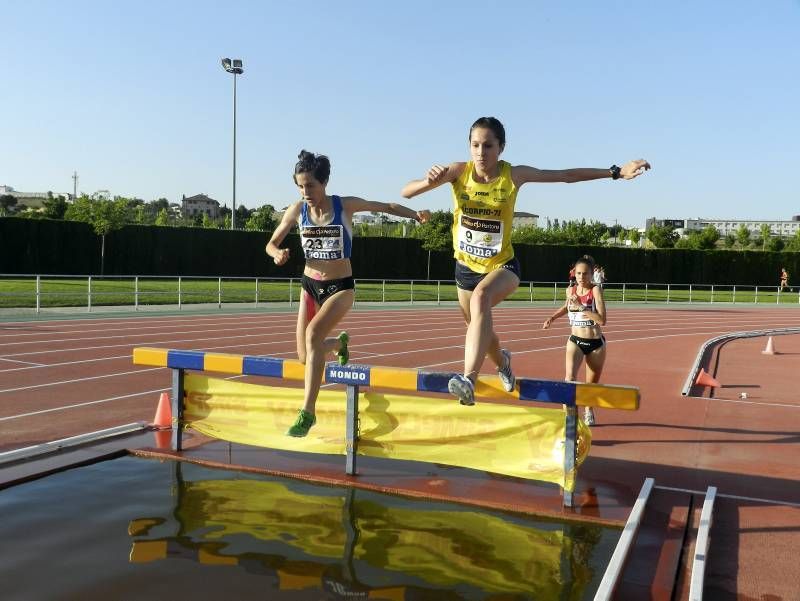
(326, 242)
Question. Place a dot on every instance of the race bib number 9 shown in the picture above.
(481, 238)
(322, 242)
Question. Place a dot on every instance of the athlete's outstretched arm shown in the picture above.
(562, 310)
(436, 176)
(353, 204)
(522, 174)
(281, 255)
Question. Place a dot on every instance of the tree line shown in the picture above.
(105, 215)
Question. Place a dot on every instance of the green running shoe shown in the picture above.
(343, 354)
(303, 424)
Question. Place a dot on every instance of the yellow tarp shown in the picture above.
(515, 440)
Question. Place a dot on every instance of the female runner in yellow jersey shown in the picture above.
(484, 192)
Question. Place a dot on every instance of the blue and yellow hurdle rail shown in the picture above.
(397, 378)
(354, 376)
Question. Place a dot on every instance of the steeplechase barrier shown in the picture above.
(479, 437)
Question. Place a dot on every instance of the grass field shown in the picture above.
(128, 291)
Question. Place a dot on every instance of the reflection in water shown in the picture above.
(357, 544)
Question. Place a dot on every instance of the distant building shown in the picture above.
(366, 218)
(523, 219)
(199, 204)
(33, 200)
(777, 228)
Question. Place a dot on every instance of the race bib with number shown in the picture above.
(322, 241)
(480, 237)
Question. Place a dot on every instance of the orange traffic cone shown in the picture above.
(704, 379)
(770, 350)
(163, 418)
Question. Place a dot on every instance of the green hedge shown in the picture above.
(41, 246)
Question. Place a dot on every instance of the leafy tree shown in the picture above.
(662, 236)
(208, 223)
(436, 233)
(707, 238)
(54, 208)
(766, 234)
(6, 202)
(262, 219)
(227, 221)
(617, 232)
(793, 243)
(776, 244)
(242, 215)
(531, 234)
(730, 240)
(140, 215)
(568, 232)
(743, 236)
(157, 205)
(634, 235)
(163, 217)
(103, 215)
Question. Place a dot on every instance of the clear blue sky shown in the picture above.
(132, 96)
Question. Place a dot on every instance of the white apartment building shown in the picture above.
(778, 228)
(33, 200)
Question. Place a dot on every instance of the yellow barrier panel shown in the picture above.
(389, 377)
(223, 362)
(611, 397)
(515, 440)
(150, 356)
(294, 370)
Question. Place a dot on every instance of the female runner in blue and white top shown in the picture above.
(586, 310)
(325, 224)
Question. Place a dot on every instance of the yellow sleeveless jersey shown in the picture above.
(482, 219)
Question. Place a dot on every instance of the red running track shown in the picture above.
(62, 378)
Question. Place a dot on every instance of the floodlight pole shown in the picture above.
(233, 66)
(233, 213)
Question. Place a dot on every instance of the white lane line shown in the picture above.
(788, 405)
(358, 349)
(367, 312)
(267, 327)
(77, 405)
(29, 363)
(123, 373)
(536, 350)
(609, 331)
(62, 364)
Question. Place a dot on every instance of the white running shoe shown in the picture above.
(505, 374)
(463, 388)
(588, 416)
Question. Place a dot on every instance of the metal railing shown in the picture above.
(616, 564)
(43, 292)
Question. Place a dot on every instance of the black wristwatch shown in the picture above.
(615, 171)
